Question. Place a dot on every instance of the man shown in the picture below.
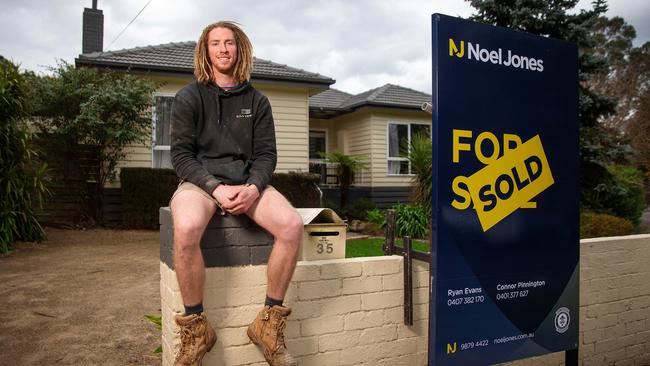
(223, 148)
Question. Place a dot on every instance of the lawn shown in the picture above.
(372, 247)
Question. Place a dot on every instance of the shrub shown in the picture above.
(631, 203)
(86, 106)
(301, 189)
(22, 178)
(144, 191)
(594, 225)
(619, 193)
(359, 208)
(421, 164)
(411, 220)
(376, 217)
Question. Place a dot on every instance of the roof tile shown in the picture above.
(330, 98)
(388, 95)
(180, 56)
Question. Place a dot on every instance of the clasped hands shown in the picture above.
(236, 199)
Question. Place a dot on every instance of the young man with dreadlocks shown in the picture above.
(223, 148)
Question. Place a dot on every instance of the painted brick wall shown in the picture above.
(230, 240)
(349, 311)
(614, 304)
(345, 312)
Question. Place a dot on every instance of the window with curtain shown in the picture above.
(399, 139)
(316, 145)
(161, 137)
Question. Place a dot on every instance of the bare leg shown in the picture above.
(191, 213)
(275, 214)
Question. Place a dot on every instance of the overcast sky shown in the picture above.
(362, 44)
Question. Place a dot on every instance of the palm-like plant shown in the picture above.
(346, 167)
(420, 159)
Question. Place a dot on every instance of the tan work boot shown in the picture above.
(197, 338)
(267, 330)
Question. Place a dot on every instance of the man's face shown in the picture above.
(222, 50)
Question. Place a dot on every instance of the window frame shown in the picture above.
(155, 147)
(321, 160)
(400, 159)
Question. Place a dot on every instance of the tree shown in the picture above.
(22, 181)
(346, 167)
(85, 106)
(553, 19)
(628, 80)
(613, 37)
(558, 19)
(639, 131)
(628, 76)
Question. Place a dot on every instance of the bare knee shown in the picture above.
(291, 230)
(187, 234)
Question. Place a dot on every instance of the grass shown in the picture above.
(157, 321)
(372, 247)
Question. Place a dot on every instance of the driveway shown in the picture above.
(81, 299)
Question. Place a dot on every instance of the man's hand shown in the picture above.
(225, 195)
(248, 194)
(236, 200)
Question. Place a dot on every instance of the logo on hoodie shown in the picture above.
(244, 113)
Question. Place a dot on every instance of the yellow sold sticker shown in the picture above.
(509, 182)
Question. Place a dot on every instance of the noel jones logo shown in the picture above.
(475, 52)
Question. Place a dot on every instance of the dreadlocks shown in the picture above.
(243, 64)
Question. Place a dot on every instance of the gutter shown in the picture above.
(144, 68)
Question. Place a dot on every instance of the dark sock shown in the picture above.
(272, 302)
(194, 309)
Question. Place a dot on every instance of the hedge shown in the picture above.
(619, 193)
(301, 189)
(596, 225)
(145, 190)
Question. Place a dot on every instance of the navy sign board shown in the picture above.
(505, 243)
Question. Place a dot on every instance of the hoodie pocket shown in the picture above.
(228, 169)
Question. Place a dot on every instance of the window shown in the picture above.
(317, 143)
(161, 137)
(399, 139)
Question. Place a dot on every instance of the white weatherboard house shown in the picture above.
(309, 116)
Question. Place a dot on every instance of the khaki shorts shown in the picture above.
(187, 186)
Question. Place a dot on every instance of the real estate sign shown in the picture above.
(505, 240)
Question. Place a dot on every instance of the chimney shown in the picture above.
(93, 30)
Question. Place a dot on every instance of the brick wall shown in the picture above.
(614, 304)
(345, 312)
(230, 240)
(349, 312)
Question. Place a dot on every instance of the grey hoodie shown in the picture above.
(220, 136)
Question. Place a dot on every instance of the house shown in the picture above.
(171, 64)
(309, 116)
(377, 124)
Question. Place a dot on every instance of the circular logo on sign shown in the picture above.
(562, 320)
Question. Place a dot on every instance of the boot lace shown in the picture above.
(187, 343)
(280, 332)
